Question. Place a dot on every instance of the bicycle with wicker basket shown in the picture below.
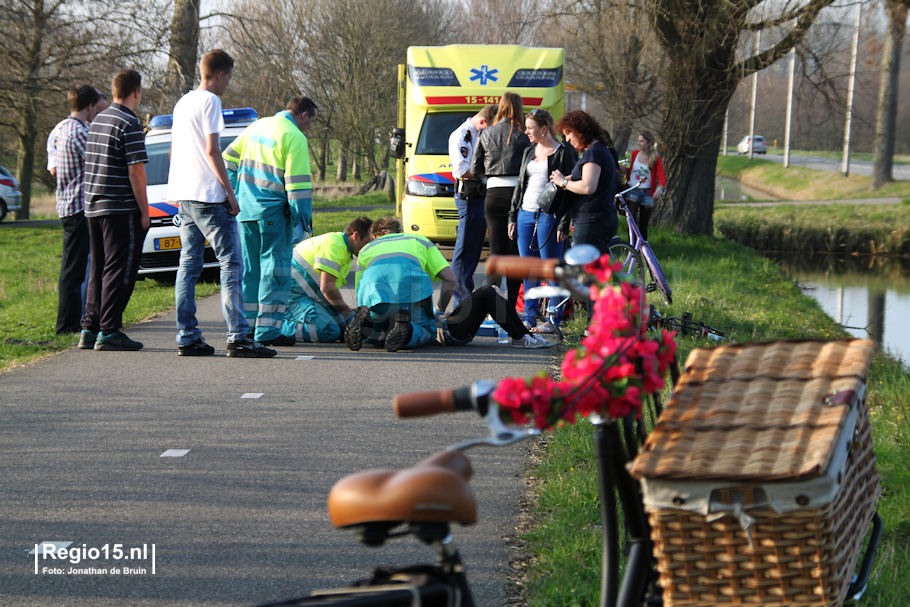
(756, 485)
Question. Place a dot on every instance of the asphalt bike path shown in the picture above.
(93, 453)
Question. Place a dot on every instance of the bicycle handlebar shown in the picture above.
(522, 267)
(634, 187)
(468, 398)
(422, 404)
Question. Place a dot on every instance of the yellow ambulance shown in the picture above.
(439, 88)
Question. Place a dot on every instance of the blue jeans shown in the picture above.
(542, 244)
(468, 242)
(201, 221)
(641, 204)
(641, 196)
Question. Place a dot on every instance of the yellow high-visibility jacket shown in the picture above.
(269, 166)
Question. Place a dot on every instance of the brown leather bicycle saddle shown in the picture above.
(435, 490)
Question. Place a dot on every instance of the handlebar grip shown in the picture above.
(513, 266)
(422, 404)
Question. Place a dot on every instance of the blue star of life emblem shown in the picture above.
(484, 74)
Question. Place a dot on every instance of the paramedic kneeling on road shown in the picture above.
(395, 289)
(316, 311)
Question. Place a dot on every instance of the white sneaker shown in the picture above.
(532, 342)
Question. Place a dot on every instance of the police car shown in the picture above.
(161, 249)
(10, 197)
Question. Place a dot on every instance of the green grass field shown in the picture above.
(30, 267)
(746, 296)
(840, 227)
(797, 183)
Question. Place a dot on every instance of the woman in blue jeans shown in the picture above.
(534, 229)
(592, 182)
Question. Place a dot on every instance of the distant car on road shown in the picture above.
(758, 145)
(10, 196)
(161, 249)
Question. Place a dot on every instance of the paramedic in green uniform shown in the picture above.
(395, 288)
(320, 265)
(269, 168)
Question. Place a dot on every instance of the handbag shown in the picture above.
(547, 201)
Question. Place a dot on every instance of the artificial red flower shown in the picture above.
(615, 366)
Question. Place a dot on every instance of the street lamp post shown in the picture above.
(789, 108)
(754, 94)
(848, 127)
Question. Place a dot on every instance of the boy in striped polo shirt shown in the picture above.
(116, 207)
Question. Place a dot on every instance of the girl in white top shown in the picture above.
(535, 230)
(647, 168)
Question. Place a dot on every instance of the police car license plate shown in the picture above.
(167, 244)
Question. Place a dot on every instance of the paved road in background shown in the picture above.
(857, 167)
(241, 518)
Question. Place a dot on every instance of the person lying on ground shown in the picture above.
(460, 326)
(394, 293)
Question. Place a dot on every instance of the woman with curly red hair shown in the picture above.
(592, 181)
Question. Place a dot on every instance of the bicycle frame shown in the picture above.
(644, 252)
(613, 478)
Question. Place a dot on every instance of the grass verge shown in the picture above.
(732, 289)
(360, 200)
(797, 183)
(829, 228)
(30, 268)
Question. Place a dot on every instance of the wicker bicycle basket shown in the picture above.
(759, 478)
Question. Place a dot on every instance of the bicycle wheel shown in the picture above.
(626, 254)
(658, 280)
(435, 595)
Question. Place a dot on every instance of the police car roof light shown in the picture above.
(161, 121)
(242, 114)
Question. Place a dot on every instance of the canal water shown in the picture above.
(869, 297)
(732, 190)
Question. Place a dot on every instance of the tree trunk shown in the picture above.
(181, 64)
(690, 153)
(690, 192)
(701, 41)
(342, 173)
(356, 168)
(621, 139)
(28, 117)
(25, 160)
(886, 116)
(324, 157)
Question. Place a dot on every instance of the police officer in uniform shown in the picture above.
(469, 197)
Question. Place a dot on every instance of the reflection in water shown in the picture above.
(730, 189)
(868, 296)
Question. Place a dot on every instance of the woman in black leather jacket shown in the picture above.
(534, 230)
(497, 158)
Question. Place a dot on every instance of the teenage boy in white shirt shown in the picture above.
(199, 181)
